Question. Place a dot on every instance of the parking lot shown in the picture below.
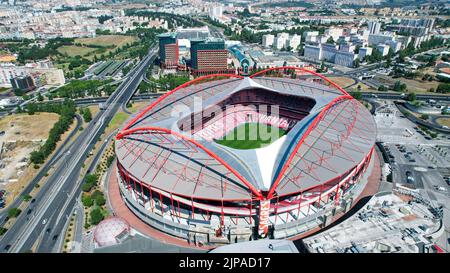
(416, 160)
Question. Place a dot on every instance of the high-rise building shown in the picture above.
(168, 50)
(216, 12)
(374, 27)
(280, 40)
(363, 52)
(384, 49)
(208, 56)
(294, 41)
(267, 40)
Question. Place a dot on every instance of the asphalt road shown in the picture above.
(53, 205)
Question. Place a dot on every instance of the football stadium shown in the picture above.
(226, 158)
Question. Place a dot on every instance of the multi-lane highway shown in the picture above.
(55, 202)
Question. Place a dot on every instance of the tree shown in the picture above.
(382, 88)
(424, 116)
(330, 40)
(399, 86)
(27, 197)
(411, 96)
(87, 116)
(100, 200)
(14, 212)
(86, 187)
(96, 216)
(91, 179)
(87, 200)
(443, 88)
(357, 95)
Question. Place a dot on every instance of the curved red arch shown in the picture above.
(175, 90)
(303, 70)
(196, 143)
(308, 131)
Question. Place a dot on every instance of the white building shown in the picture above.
(294, 41)
(344, 58)
(375, 39)
(395, 45)
(334, 32)
(313, 52)
(216, 12)
(384, 49)
(267, 40)
(363, 52)
(374, 27)
(311, 36)
(280, 40)
(329, 53)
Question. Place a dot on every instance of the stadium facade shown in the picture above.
(176, 178)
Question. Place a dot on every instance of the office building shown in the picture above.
(208, 56)
(168, 50)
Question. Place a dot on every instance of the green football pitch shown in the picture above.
(251, 136)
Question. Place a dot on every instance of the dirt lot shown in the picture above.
(417, 86)
(342, 81)
(24, 127)
(23, 134)
(443, 121)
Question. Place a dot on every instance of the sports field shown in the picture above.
(251, 136)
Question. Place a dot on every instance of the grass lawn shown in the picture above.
(107, 40)
(4, 89)
(73, 51)
(118, 120)
(115, 41)
(251, 136)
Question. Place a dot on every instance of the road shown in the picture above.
(53, 205)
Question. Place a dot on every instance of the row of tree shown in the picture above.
(66, 110)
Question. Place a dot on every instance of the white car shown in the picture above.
(44, 221)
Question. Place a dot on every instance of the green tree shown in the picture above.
(87, 200)
(96, 216)
(330, 40)
(87, 116)
(100, 200)
(14, 212)
(382, 88)
(91, 179)
(399, 86)
(443, 88)
(411, 96)
(27, 197)
(357, 95)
